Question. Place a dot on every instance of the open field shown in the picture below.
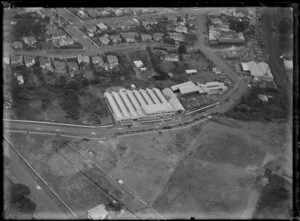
(218, 177)
(144, 163)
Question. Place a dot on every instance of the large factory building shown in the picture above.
(127, 105)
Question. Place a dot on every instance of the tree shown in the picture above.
(182, 49)
(19, 190)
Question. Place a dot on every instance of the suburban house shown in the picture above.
(104, 39)
(60, 67)
(16, 60)
(191, 71)
(29, 61)
(104, 13)
(96, 59)
(91, 29)
(216, 21)
(118, 12)
(115, 39)
(73, 67)
(181, 29)
(102, 26)
(31, 41)
(17, 45)
(176, 36)
(129, 36)
(217, 70)
(147, 24)
(112, 61)
(158, 36)
(64, 41)
(172, 57)
(138, 63)
(45, 63)
(83, 59)
(146, 37)
(58, 34)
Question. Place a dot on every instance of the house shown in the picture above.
(17, 45)
(263, 97)
(58, 34)
(115, 39)
(112, 61)
(259, 71)
(98, 213)
(191, 71)
(83, 59)
(66, 41)
(147, 24)
(81, 14)
(138, 63)
(45, 63)
(104, 40)
(73, 66)
(29, 61)
(16, 60)
(102, 26)
(213, 88)
(181, 29)
(158, 36)
(129, 36)
(6, 59)
(176, 36)
(60, 67)
(31, 41)
(96, 59)
(172, 57)
(104, 13)
(20, 78)
(90, 30)
(146, 37)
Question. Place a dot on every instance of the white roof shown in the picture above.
(146, 97)
(114, 107)
(140, 99)
(160, 95)
(121, 104)
(98, 212)
(259, 69)
(185, 84)
(128, 104)
(176, 104)
(188, 89)
(157, 108)
(138, 63)
(190, 71)
(153, 96)
(134, 101)
(168, 93)
(245, 66)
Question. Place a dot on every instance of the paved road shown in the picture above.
(46, 207)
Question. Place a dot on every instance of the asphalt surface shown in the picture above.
(46, 206)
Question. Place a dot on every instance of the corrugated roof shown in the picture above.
(188, 89)
(158, 108)
(176, 104)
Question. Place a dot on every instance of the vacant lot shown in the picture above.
(216, 179)
(144, 162)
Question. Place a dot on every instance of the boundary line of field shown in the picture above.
(74, 214)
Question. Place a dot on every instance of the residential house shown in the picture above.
(172, 57)
(16, 60)
(104, 39)
(138, 63)
(6, 59)
(191, 71)
(81, 13)
(181, 29)
(129, 36)
(115, 39)
(60, 67)
(20, 78)
(29, 61)
(73, 67)
(104, 13)
(176, 36)
(83, 59)
(158, 36)
(59, 34)
(96, 59)
(31, 41)
(102, 26)
(65, 41)
(112, 61)
(216, 21)
(91, 29)
(146, 37)
(147, 24)
(45, 63)
(17, 45)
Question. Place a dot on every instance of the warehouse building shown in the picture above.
(259, 71)
(213, 87)
(129, 105)
(186, 88)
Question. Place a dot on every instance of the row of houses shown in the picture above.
(139, 105)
